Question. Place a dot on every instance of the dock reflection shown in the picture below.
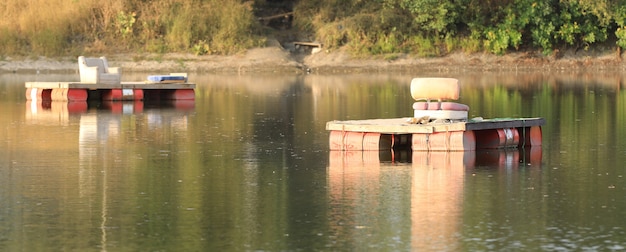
(60, 112)
(100, 133)
(428, 188)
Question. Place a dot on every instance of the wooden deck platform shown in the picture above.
(401, 126)
(133, 91)
(123, 85)
(380, 134)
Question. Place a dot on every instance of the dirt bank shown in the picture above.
(275, 59)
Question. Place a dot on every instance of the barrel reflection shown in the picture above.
(429, 186)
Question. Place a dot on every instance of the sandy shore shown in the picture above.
(278, 60)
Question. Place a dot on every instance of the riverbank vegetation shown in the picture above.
(437, 27)
(425, 28)
(57, 27)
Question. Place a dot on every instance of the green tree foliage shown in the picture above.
(421, 27)
(430, 16)
(619, 15)
(580, 24)
(430, 27)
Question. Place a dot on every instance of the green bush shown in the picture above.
(620, 20)
(424, 27)
(124, 23)
(10, 42)
(424, 47)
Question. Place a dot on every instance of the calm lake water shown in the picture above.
(247, 168)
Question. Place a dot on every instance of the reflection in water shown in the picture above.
(366, 201)
(102, 156)
(46, 112)
(431, 185)
(88, 141)
(246, 168)
(436, 199)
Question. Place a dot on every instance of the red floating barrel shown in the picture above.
(183, 94)
(371, 141)
(68, 94)
(335, 140)
(35, 94)
(444, 141)
(58, 94)
(378, 141)
(419, 142)
(462, 141)
(120, 94)
(497, 138)
(138, 94)
(439, 141)
(112, 95)
(74, 94)
(353, 141)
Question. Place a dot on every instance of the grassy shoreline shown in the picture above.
(276, 60)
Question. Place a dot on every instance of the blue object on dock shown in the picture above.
(166, 78)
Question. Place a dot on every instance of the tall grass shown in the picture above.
(58, 27)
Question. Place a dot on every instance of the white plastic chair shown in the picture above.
(97, 71)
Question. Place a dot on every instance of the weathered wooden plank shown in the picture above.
(386, 126)
(49, 85)
(401, 126)
(144, 85)
(443, 127)
(504, 123)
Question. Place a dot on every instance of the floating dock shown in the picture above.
(125, 91)
(386, 134)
